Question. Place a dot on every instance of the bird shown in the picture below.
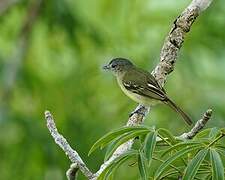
(141, 86)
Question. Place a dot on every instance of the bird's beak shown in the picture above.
(106, 67)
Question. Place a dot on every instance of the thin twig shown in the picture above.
(71, 173)
(62, 142)
(198, 126)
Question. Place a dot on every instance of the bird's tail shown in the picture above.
(179, 110)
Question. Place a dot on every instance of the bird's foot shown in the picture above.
(138, 110)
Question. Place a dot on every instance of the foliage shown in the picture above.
(198, 158)
(60, 71)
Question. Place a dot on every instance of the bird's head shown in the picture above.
(118, 65)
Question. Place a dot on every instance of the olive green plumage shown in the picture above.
(140, 85)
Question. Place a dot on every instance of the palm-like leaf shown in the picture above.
(217, 165)
(194, 164)
(106, 139)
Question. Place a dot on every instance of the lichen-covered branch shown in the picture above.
(198, 125)
(71, 173)
(174, 40)
(62, 142)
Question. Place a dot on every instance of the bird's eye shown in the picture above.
(113, 66)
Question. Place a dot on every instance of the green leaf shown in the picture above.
(203, 134)
(170, 173)
(194, 164)
(220, 146)
(149, 146)
(213, 133)
(222, 130)
(221, 150)
(175, 156)
(106, 139)
(116, 163)
(208, 177)
(111, 171)
(142, 166)
(166, 134)
(217, 165)
(122, 139)
(176, 147)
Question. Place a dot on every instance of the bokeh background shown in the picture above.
(51, 53)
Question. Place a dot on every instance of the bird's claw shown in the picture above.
(137, 111)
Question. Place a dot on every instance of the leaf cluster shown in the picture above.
(161, 155)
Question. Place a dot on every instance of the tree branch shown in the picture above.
(175, 39)
(72, 154)
(71, 173)
(198, 126)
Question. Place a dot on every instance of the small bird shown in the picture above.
(140, 85)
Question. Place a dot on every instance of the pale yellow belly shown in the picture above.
(138, 98)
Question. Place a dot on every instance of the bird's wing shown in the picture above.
(151, 79)
(141, 84)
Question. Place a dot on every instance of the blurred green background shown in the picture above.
(51, 53)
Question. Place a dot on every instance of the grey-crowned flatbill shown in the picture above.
(140, 85)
